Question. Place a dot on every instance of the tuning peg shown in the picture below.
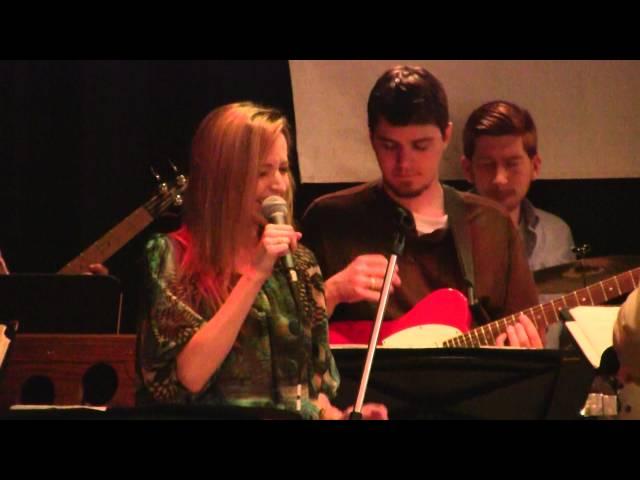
(181, 179)
(155, 174)
(173, 167)
(581, 251)
(162, 186)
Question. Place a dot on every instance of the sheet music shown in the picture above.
(593, 330)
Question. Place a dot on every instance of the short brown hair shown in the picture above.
(406, 95)
(499, 118)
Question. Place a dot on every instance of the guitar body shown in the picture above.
(439, 316)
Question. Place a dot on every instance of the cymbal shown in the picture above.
(572, 276)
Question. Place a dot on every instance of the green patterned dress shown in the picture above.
(274, 352)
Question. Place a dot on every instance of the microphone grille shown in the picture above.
(274, 204)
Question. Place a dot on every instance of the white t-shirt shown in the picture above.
(425, 224)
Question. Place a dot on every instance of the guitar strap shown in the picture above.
(454, 206)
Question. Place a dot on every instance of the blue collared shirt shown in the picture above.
(547, 241)
(547, 238)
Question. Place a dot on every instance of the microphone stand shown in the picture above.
(396, 250)
(581, 253)
(292, 277)
(292, 281)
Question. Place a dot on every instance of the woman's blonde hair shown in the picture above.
(219, 218)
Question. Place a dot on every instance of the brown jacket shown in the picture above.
(340, 226)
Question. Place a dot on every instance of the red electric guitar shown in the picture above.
(443, 319)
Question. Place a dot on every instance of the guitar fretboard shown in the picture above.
(548, 313)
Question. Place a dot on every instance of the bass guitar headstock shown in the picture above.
(169, 192)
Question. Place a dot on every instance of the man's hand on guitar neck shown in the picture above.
(522, 335)
(97, 269)
(93, 269)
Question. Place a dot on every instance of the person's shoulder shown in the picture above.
(631, 309)
(344, 199)
(303, 252)
(479, 205)
(551, 219)
(159, 241)
(164, 244)
(304, 257)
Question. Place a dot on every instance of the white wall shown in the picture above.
(587, 113)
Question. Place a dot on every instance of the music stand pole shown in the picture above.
(382, 306)
(397, 249)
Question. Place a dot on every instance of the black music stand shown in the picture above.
(48, 303)
(463, 383)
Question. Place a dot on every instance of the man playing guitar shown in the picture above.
(350, 231)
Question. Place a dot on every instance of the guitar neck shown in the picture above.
(548, 313)
(110, 243)
(128, 228)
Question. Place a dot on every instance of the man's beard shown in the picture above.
(407, 193)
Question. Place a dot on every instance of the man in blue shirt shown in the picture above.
(500, 146)
(501, 160)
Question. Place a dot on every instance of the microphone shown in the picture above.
(274, 209)
(404, 223)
